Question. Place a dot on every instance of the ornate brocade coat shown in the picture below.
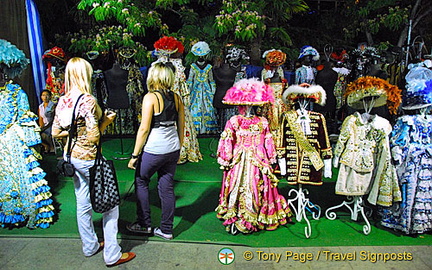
(304, 154)
(364, 154)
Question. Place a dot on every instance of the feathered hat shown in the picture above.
(368, 86)
(201, 48)
(168, 45)
(249, 92)
(55, 52)
(418, 88)
(309, 51)
(12, 60)
(314, 92)
(274, 57)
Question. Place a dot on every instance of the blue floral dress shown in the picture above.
(202, 88)
(25, 198)
(411, 144)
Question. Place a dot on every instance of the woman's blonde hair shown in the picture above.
(78, 74)
(160, 76)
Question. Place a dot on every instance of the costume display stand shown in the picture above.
(303, 205)
(356, 206)
(116, 80)
(355, 203)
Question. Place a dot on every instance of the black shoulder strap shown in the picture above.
(72, 130)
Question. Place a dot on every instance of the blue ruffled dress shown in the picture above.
(25, 197)
(411, 144)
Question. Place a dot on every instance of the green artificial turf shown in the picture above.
(197, 190)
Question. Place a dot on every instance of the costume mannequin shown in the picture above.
(249, 199)
(327, 78)
(362, 152)
(410, 142)
(24, 194)
(306, 73)
(56, 63)
(273, 75)
(230, 72)
(171, 50)
(202, 88)
(304, 150)
(341, 83)
(116, 81)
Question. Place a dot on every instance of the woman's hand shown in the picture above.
(109, 117)
(132, 163)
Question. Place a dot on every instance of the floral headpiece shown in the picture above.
(55, 52)
(201, 48)
(296, 91)
(339, 57)
(309, 51)
(12, 60)
(168, 45)
(368, 86)
(235, 54)
(249, 92)
(274, 57)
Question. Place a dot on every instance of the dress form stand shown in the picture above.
(303, 203)
(355, 204)
(116, 81)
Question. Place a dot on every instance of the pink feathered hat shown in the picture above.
(249, 92)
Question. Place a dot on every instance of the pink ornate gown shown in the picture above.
(249, 197)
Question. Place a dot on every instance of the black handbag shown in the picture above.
(104, 191)
(65, 167)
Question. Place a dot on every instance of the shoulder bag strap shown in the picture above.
(72, 130)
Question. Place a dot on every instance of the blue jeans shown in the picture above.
(90, 243)
(165, 165)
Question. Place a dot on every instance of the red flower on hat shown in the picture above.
(169, 45)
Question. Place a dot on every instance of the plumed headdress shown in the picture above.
(168, 45)
(55, 52)
(201, 48)
(309, 51)
(368, 86)
(274, 57)
(12, 60)
(314, 92)
(249, 92)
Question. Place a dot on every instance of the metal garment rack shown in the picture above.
(303, 205)
(356, 206)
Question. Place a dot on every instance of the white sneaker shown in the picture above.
(159, 233)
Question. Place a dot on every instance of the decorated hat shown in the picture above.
(55, 52)
(12, 60)
(168, 45)
(309, 51)
(274, 57)
(249, 92)
(383, 93)
(296, 91)
(418, 95)
(201, 48)
(236, 54)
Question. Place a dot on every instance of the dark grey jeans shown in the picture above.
(165, 165)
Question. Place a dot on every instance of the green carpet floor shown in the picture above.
(197, 189)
